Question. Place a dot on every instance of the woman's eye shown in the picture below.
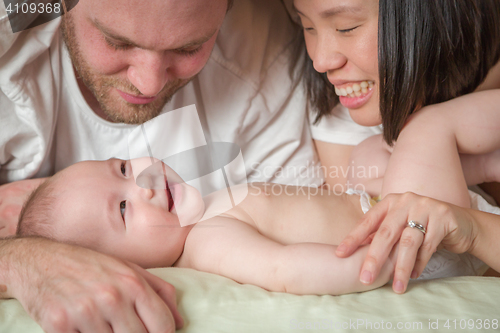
(123, 168)
(123, 205)
(346, 30)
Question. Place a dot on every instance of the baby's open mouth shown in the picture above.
(169, 197)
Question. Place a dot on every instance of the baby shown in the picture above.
(281, 238)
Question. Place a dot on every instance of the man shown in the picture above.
(73, 89)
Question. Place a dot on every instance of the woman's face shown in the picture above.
(341, 39)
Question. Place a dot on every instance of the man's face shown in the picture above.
(134, 55)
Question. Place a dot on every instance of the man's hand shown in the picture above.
(12, 197)
(72, 289)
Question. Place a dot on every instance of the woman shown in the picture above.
(387, 59)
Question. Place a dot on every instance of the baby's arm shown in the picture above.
(428, 147)
(238, 251)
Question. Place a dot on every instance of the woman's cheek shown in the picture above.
(310, 45)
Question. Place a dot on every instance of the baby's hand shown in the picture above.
(12, 197)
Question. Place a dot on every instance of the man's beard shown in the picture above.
(115, 108)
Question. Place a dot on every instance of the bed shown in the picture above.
(211, 303)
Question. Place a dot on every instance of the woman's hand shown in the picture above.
(12, 197)
(387, 223)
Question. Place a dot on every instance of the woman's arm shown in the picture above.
(485, 241)
(238, 251)
(334, 159)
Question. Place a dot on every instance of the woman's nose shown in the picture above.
(327, 56)
(148, 73)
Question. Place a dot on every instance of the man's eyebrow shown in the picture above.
(336, 11)
(111, 34)
(127, 41)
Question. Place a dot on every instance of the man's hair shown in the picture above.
(37, 212)
(429, 52)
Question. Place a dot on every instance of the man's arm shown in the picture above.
(12, 197)
(68, 289)
(238, 251)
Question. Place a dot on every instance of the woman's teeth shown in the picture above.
(355, 90)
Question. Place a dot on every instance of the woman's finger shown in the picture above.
(435, 233)
(409, 245)
(387, 235)
(363, 230)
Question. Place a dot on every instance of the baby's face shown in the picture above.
(101, 207)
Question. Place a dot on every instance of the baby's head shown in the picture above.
(97, 204)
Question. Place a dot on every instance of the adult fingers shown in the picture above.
(409, 245)
(363, 230)
(166, 292)
(120, 309)
(95, 326)
(435, 233)
(82, 317)
(387, 235)
(151, 307)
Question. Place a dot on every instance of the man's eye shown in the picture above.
(189, 52)
(123, 168)
(123, 205)
(117, 46)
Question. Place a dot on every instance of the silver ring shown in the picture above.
(416, 225)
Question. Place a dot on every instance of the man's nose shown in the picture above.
(148, 73)
(327, 56)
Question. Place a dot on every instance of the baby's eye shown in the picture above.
(123, 205)
(123, 168)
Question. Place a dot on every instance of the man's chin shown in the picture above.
(132, 114)
(118, 110)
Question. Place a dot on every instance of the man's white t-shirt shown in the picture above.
(244, 95)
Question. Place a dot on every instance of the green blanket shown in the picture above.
(210, 303)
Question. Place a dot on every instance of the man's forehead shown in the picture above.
(116, 35)
(163, 24)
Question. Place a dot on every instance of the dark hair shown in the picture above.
(230, 4)
(429, 51)
(36, 214)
